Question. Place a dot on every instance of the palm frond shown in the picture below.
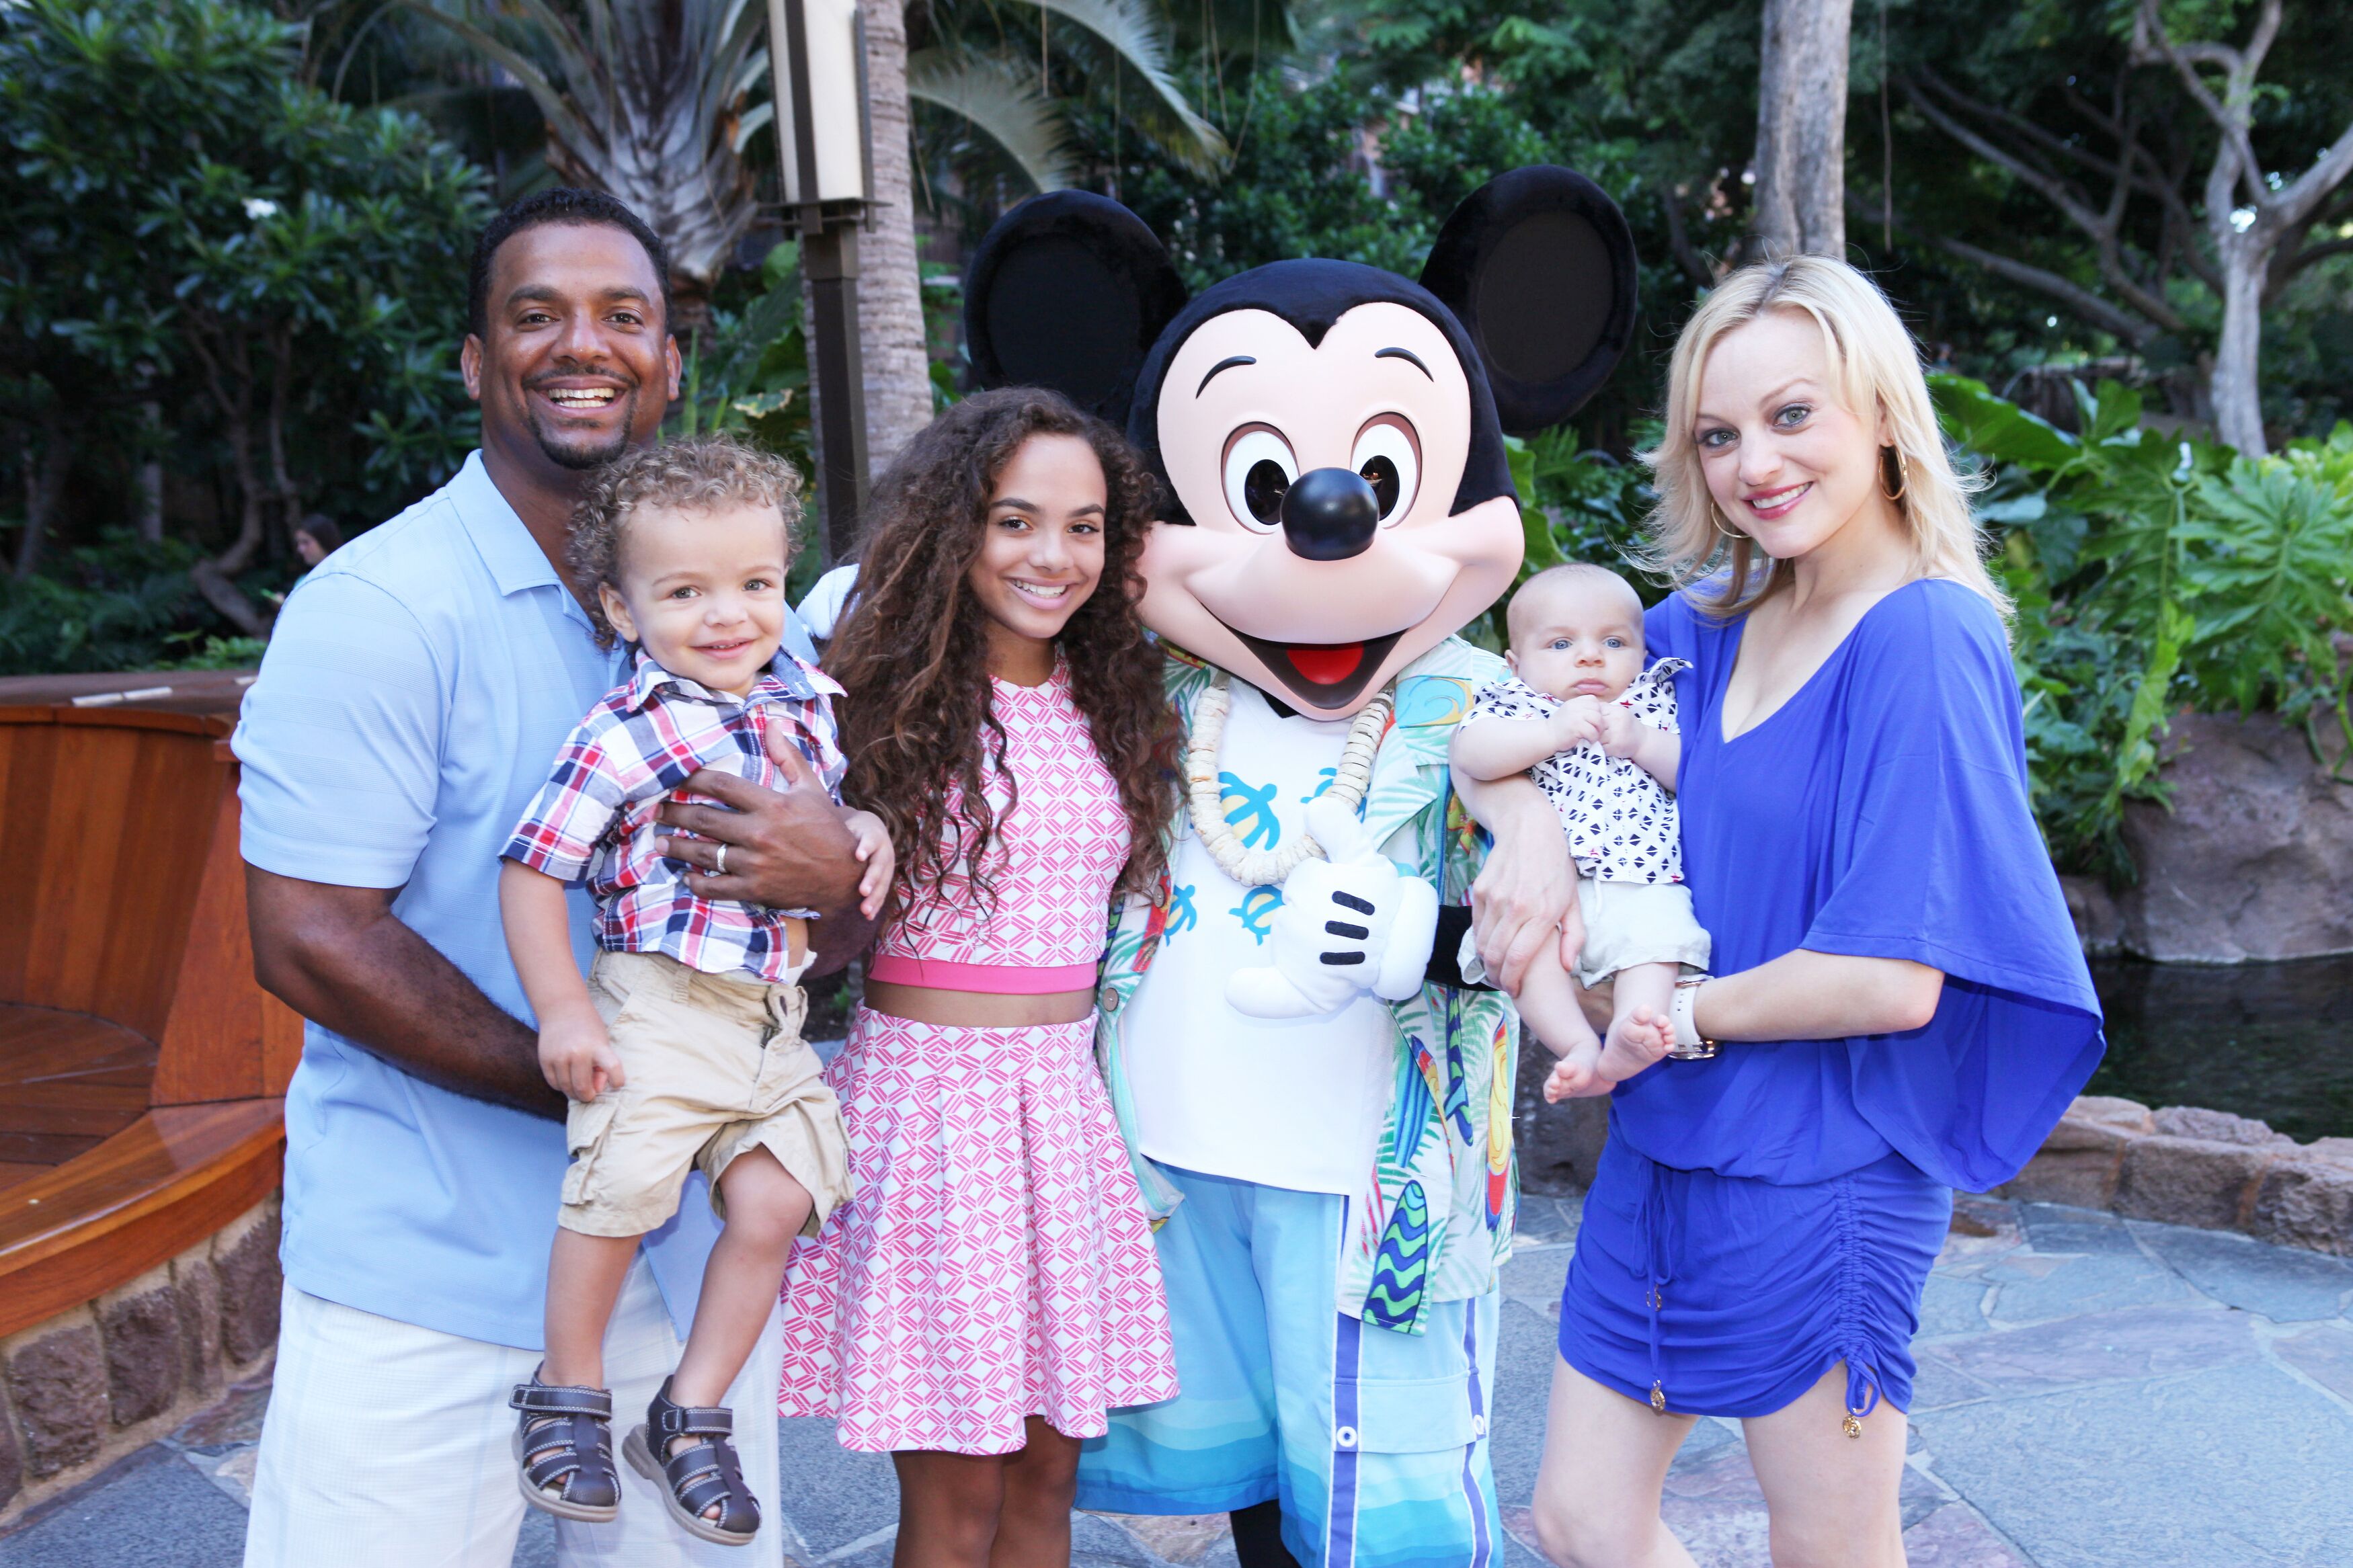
(1001, 100)
(1133, 32)
(645, 101)
(561, 120)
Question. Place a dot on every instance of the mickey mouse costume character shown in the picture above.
(1319, 1114)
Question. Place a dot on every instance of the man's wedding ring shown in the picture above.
(719, 862)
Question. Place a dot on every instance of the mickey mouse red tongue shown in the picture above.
(1323, 674)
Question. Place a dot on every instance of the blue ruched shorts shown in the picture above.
(1713, 1295)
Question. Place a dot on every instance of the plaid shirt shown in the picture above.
(595, 820)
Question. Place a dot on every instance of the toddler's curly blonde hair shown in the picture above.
(697, 473)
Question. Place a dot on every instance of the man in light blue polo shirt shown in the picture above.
(417, 688)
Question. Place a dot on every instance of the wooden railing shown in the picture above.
(141, 1067)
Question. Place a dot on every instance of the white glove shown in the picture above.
(1348, 925)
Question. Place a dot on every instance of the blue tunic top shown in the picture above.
(1881, 812)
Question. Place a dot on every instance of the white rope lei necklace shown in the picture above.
(1260, 868)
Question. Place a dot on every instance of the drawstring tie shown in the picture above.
(1862, 1376)
(1658, 1227)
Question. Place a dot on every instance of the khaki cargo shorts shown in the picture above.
(716, 1065)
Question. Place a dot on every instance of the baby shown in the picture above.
(681, 1049)
(1596, 731)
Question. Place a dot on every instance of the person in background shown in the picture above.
(404, 717)
(316, 536)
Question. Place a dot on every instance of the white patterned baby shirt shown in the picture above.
(1621, 823)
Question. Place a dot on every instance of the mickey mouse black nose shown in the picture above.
(1329, 514)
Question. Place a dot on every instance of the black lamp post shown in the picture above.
(816, 53)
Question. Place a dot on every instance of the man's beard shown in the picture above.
(581, 457)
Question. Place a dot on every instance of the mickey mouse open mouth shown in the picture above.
(1323, 674)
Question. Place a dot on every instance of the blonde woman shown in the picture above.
(1900, 1007)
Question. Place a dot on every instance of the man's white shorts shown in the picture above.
(388, 1446)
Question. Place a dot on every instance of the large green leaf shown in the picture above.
(1995, 427)
(1001, 100)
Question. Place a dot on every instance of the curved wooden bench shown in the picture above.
(140, 1064)
(67, 1080)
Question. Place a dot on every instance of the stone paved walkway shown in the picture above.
(2092, 1394)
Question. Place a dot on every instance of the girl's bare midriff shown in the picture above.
(977, 1009)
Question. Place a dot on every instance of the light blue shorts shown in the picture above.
(1373, 1441)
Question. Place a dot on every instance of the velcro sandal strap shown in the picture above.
(691, 1421)
(682, 1421)
(558, 1399)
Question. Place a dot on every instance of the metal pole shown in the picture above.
(829, 273)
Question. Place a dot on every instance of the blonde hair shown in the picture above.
(1875, 365)
(699, 473)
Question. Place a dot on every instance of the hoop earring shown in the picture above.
(1903, 475)
(1715, 516)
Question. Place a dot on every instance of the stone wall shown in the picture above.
(2204, 1168)
(1558, 1145)
(2249, 859)
(2178, 1164)
(87, 1386)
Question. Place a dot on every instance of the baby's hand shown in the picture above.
(577, 1055)
(874, 849)
(1576, 721)
(1621, 733)
(1576, 1076)
(1636, 1042)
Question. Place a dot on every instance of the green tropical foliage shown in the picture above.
(653, 103)
(2151, 572)
(280, 277)
(993, 71)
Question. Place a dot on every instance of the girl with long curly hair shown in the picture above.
(991, 1290)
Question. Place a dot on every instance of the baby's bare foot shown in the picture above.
(1636, 1042)
(1575, 1076)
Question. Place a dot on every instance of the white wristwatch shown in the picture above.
(1690, 1045)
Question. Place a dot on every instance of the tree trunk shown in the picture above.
(1800, 163)
(2236, 382)
(151, 475)
(44, 486)
(889, 285)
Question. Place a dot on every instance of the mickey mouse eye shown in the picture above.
(1388, 459)
(1259, 471)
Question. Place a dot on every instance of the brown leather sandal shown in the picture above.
(699, 1476)
(564, 1451)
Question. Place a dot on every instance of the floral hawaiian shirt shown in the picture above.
(1433, 1216)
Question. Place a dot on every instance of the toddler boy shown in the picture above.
(682, 1048)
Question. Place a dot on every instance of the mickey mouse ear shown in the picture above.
(1538, 265)
(1068, 290)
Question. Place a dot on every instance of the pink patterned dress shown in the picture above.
(995, 1262)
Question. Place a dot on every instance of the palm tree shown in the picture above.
(992, 74)
(972, 72)
(655, 100)
(645, 98)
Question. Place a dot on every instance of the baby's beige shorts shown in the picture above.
(715, 1066)
(1627, 923)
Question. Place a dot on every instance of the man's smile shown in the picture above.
(579, 395)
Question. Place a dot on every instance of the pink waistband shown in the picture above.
(995, 979)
